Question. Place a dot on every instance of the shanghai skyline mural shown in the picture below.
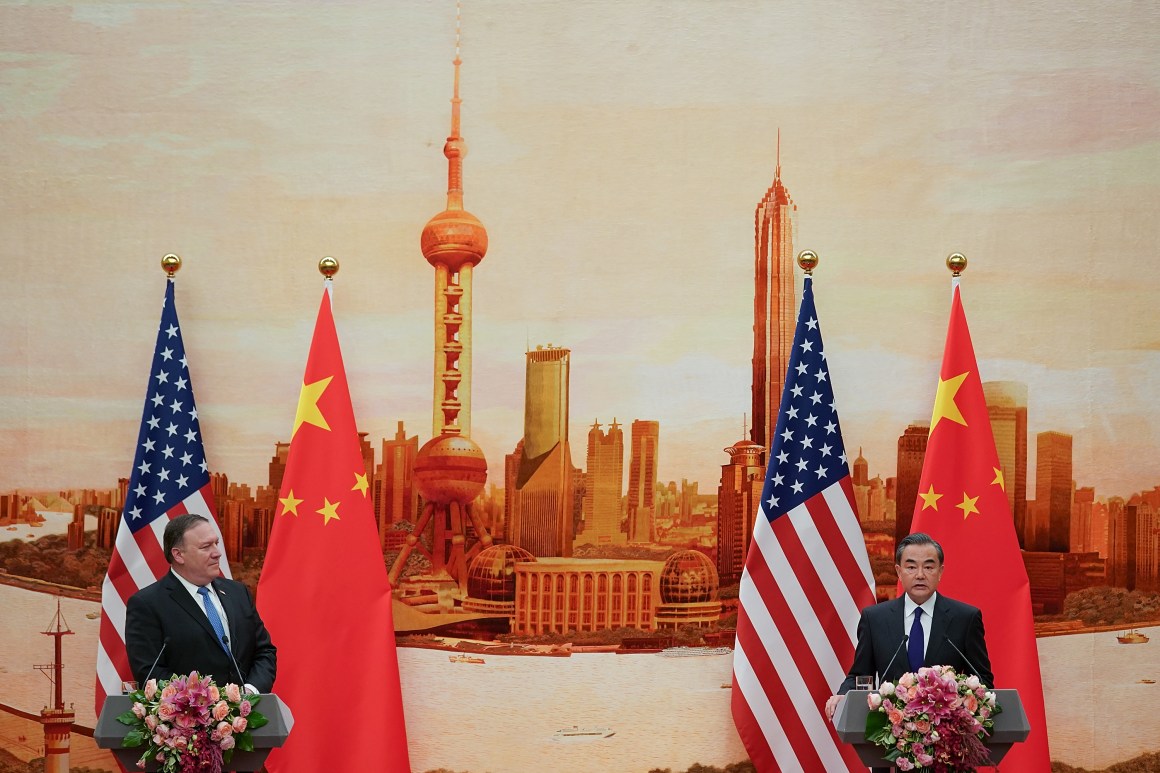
(610, 331)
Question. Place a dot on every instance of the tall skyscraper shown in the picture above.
(1007, 408)
(396, 498)
(450, 469)
(738, 503)
(605, 484)
(1082, 509)
(911, 453)
(1053, 486)
(541, 499)
(774, 304)
(642, 480)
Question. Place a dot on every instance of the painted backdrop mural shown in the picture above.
(615, 155)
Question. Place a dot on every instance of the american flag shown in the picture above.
(170, 477)
(806, 578)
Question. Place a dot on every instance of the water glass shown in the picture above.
(863, 682)
(128, 686)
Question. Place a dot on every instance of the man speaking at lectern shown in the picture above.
(195, 619)
(919, 628)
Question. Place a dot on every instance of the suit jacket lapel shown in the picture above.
(182, 598)
(897, 614)
(938, 633)
(231, 604)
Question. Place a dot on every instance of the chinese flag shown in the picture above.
(963, 505)
(324, 593)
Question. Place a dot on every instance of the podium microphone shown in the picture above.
(238, 671)
(966, 659)
(901, 646)
(164, 644)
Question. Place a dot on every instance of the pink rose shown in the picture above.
(886, 688)
(874, 700)
(150, 689)
(227, 743)
(244, 708)
(160, 757)
(138, 710)
(972, 681)
(166, 712)
(151, 722)
(220, 710)
(214, 693)
(168, 692)
(895, 717)
(225, 728)
(922, 726)
(971, 702)
(163, 730)
(903, 764)
(907, 680)
(240, 724)
(233, 693)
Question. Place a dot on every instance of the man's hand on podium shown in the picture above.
(832, 705)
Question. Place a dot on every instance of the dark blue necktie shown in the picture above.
(915, 647)
(214, 619)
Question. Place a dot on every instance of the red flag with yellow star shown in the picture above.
(963, 505)
(324, 593)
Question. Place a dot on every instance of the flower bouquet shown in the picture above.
(188, 724)
(934, 720)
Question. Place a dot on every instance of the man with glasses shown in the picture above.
(919, 628)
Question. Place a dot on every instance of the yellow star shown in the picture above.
(930, 499)
(944, 401)
(329, 510)
(308, 412)
(999, 478)
(360, 483)
(290, 504)
(968, 505)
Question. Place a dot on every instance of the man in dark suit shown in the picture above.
(891, 641)
(194, 619)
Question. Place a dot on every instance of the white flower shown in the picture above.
(972, 681)
(990, 698)
(886, 689)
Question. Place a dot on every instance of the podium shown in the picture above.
(109, 733)
(1011, 727)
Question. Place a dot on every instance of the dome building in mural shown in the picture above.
(689, 591)
(491, 580)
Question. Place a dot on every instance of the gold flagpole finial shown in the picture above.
(171, 264)
(808, 260)
(328, 267)
(957, 263)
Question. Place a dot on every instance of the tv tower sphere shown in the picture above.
(450, 468)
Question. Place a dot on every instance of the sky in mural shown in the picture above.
(617, 152)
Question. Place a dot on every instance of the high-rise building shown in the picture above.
(1147, 549)
(1121, 544)
(278, 466)
(1053, 486)
(1007, 408)
(605, 484)
(642, 479)
(396, 498)
(911, 454)
(1081, 520)
(450, 469)
(540, 512)
(774, 304)
(738, 504)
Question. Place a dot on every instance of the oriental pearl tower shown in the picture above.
(450, 469)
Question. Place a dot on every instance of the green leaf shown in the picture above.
(254, 721)
(128, 718)
(254, 699)
(244, 742)
(227, 755)
(133, 738)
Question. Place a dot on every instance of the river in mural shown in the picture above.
(598, 715)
